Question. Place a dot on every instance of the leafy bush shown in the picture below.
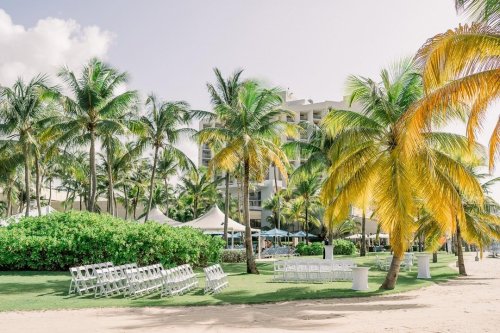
(342, 246)
(232, 256)
(63, 240)
(313, 249)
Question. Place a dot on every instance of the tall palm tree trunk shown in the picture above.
(195, 206)
(9, 201)
(278, 211)
(50, 191)
(251, 266)
(27, 174)
(226, 209)
(37, 184)
(166, 197)
(93, 174)
(125, 194)
(110, 184)
(460, 253)
(307, 225)
(151, 184)
(362, 250)
(392, 275)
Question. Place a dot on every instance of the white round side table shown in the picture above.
(360, 278)
(424, 270)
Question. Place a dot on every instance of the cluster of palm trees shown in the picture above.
(388, 157)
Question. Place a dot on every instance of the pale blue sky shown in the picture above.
(170, 47)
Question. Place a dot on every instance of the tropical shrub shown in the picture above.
(232, 256)
(313, 249)
(342, 246)
(62, 240)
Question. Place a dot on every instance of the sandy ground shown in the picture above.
(469, 304)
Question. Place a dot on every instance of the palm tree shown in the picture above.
(486, 11)
(94, 111)
(252, 133)
(168, 166)
(202, 191)
(11, 158)
(161, 131)
(274, 204)
(224, 99)
(366, 151)
(307, 188)
(22, 113)
(460, 68)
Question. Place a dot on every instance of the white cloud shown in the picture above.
(46, 47)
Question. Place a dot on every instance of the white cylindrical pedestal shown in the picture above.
(360, 278)
(328, 252)
(424, 270)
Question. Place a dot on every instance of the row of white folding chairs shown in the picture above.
(406, 263)
(144, 280)
(313, 270)
(215, 279)
(84, 278)
(112, 280)
(178, 280)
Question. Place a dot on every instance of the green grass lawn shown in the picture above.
(49, 290)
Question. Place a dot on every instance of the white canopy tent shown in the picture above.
(156, 215)
(213, 221)
(33, 213)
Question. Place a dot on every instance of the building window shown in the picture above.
(255, 199)
(254, 223)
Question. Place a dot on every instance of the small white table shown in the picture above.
(360, 278)
(424, 270)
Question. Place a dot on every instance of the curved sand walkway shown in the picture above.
(470, 304)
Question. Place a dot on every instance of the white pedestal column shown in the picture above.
(424, 270)
(360, 278)
(328, 252)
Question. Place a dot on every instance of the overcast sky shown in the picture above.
(170, 47)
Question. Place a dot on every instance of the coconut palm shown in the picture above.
(252, 133)
(307, 188)
(94, 110)
(274, 204)
(367, 159)
(224, 99)
(168, 166)
(11, 159)
(23, 112)
(162, 131)
(460, 67)
(486, 11)
(201, 190)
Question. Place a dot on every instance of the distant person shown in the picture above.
(325, 242)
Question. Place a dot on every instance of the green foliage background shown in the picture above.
(340, 246)
(62, 240)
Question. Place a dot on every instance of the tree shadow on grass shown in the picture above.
(47, 287)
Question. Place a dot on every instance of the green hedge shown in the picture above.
(62, 240)
(313, 249)
(340, 246)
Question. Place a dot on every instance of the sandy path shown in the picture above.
(470, 304)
